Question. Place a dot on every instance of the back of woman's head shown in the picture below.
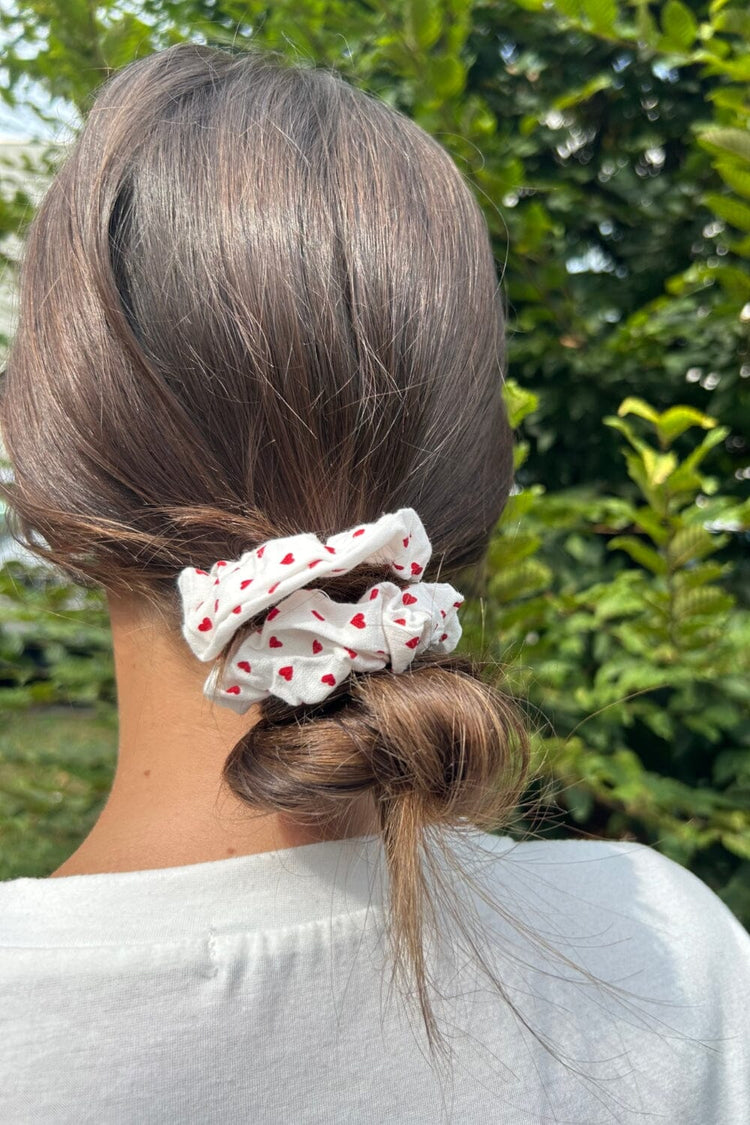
(257, 301)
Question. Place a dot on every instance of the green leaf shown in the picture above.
(569, 8)
(519, 401)
(735, 21)
(502, 179)
(737, 843)
(520, 453)
(705, 600)
(646, 28)
(514, 547)
(734, 282)
(447, 76)
(651, 524)
(686, 478)
(583, 93)
(426, 21)
(712, 438)
(658, 465)
(736, 141)
(660, 722)
(627, 430)
(579, 801)
(730, 764)
(678, 24)
(636, 473)
(640, 552)
(729, 209)
(735, 176)
(633, 405)
(689, 543)
(601, 13)
(522, 580)
(699, 575)
(677, 419)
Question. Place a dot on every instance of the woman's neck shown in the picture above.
(168, 805)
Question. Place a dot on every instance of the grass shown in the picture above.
(56, 768)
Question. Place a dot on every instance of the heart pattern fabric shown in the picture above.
(314, 642)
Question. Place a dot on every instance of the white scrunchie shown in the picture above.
(309, 643)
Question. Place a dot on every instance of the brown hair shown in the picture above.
(257, 301)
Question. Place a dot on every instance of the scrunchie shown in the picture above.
(308, 642)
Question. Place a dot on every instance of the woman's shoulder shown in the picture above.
(630, 918)
(602, 861)
(621, 885)
(634, 955)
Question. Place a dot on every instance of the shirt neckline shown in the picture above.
(262, 891)
(265, 891)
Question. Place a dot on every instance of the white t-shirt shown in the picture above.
(256, 990)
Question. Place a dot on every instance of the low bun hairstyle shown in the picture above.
(257, 301)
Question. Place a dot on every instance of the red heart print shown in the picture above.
(244, 585)
(317, 646)
(351, 652)
(406, 541)
(244, 665)
(458, 604)
(274, 642)
(273, 613)
(260, 551)
(373, 593)
(272, 589)
(408, 599)
(361, 531)
(216, 581)
(331, 550)
(319, 616)
(397, 567)
(221, 562)
(205, 625)
(314, 562)
(216, 606)
(197, 571)
(416, 568)
(328, 679)
(287, 672)
(442, 611)
(233, 690)
(400, 620)
(413, 642)
(358, 621)
(287, 559)
(444, 637)
(237, 609)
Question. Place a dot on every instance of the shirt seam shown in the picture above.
(210, 933)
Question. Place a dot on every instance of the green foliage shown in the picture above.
(56, 767)
(640, 681)
(54, 640)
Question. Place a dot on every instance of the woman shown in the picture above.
(255, 393)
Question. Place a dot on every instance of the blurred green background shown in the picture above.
(608, 143)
